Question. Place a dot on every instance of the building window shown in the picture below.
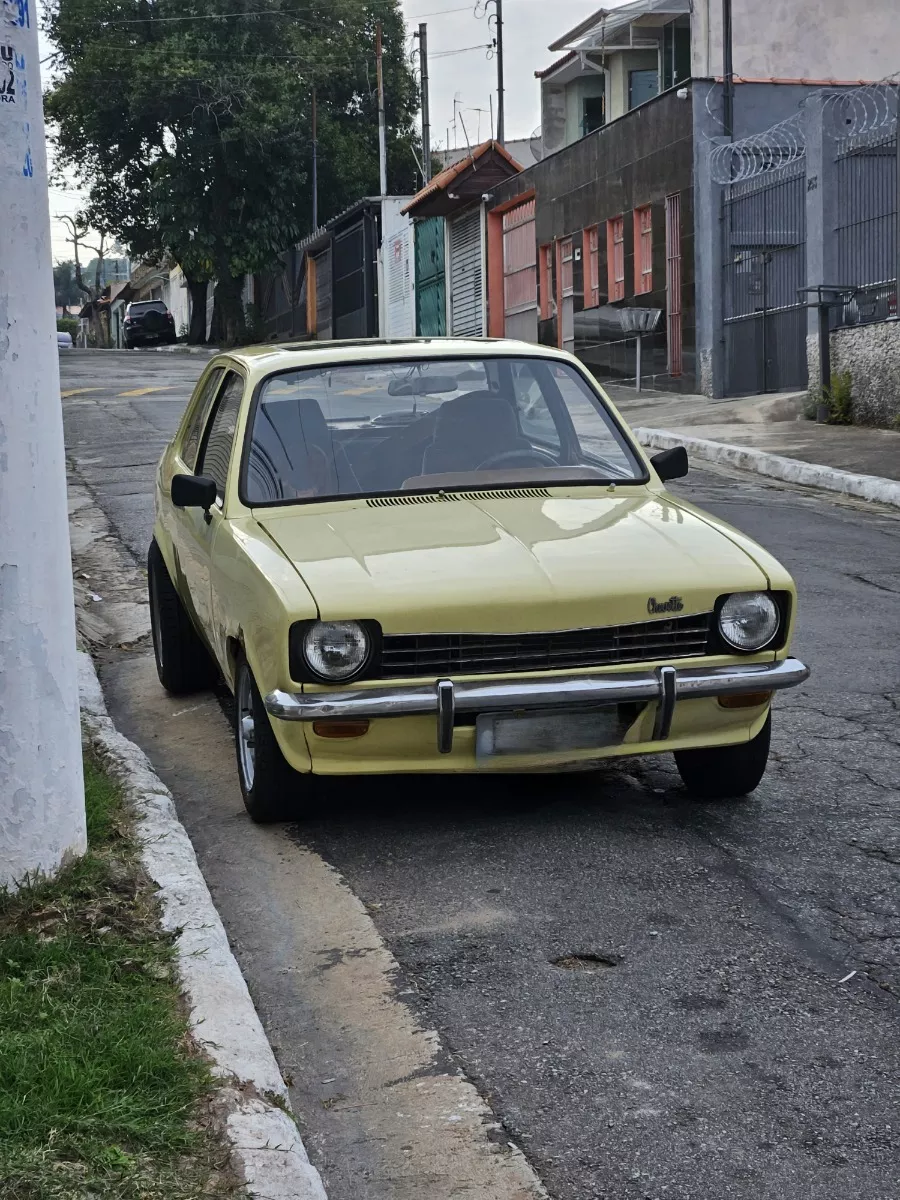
(615, 257)
(643, 85)
(673, 283)
(593, 113)
(643, 250)
(545, 264)
(676, 52)
(591, 255)
(566, 271)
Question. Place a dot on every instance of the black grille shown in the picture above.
(437, 654)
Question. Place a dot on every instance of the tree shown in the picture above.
(200, 144)
(79, 227)
(64, 286)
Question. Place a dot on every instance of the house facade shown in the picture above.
(450, 236)
(352, 278)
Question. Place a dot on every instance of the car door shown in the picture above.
(196, 530)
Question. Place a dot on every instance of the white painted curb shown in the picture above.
(790, 470)
(266, 1150)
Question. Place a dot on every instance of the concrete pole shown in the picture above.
(42, 821)
(382, 139)
(426, 118)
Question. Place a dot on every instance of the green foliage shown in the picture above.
(254, 325)
(194, 136)
(67, 325)
(100, 1087)
(838, 400)
(66, 290)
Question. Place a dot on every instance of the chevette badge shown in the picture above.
(673, 604)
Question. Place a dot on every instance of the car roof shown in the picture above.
(284, 356)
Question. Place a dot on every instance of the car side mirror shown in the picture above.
(193, 491)
(671, 464)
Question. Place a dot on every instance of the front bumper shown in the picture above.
(665, 685)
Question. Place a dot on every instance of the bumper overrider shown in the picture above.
(445, 698)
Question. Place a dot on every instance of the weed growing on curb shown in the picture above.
(102, 1091)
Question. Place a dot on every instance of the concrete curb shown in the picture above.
(774, 466)
(183, 350)
(252, 1103)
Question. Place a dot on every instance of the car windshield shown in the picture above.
(389, 427)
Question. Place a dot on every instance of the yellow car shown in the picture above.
(452, 556)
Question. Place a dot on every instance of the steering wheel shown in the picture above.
(519, 458)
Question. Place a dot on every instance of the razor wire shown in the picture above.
(851, 117)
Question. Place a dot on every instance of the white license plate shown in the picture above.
(546, 732)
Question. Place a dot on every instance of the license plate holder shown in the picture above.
(547, 732)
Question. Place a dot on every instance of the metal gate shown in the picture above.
(431, 297)
(520, 273)
(466, 276)
(764, 224)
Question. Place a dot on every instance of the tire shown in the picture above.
(183, 663)
(272, 789)
(726, 772)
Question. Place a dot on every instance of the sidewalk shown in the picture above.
(767, 426)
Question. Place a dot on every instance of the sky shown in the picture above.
(468, 78)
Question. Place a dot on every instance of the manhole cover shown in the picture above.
(586, 962)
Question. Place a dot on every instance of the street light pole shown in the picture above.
(42, 819)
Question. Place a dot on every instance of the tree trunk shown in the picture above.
(228, 323)
(197, 331)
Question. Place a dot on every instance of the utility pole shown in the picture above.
(501, 124)
(42, 819)
(727, 69)
(426, 120)
(315, 165)
(382, 143)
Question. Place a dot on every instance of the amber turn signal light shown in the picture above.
(747, 700)
(340, 729)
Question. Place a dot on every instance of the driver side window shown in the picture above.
(535, 417)
(216, 452)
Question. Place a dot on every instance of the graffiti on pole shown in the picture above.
(15, 17)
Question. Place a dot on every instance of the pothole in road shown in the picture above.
(586, 962)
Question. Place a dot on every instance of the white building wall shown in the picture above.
(800, 39)
(179, 300)
(396, 272)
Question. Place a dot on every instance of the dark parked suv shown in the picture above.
(148, 321)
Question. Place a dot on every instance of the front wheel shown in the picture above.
(272, 789)
(726, 772)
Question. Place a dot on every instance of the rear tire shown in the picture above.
(183, 663)
(726, 772)
(272, 789)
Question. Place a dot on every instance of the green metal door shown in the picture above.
(431, 309)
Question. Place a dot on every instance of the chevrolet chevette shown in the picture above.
(452, 556)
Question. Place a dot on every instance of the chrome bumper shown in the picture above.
(445, 698)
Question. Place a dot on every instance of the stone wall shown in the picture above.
(871, 353)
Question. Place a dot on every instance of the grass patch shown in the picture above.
(101, 1088)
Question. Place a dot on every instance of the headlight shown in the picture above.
(335, 650)
(749, 620)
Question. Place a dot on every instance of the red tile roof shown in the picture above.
(446, 177)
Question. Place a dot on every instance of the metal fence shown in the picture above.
(866, 178)
(764, 264)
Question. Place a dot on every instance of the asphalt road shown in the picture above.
(650, 993)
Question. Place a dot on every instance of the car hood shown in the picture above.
(475, 563)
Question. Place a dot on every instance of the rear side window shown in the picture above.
(216, 453)
(190, 443)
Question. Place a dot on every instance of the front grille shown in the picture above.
(439, 654)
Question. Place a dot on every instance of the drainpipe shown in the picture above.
(728, 69)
